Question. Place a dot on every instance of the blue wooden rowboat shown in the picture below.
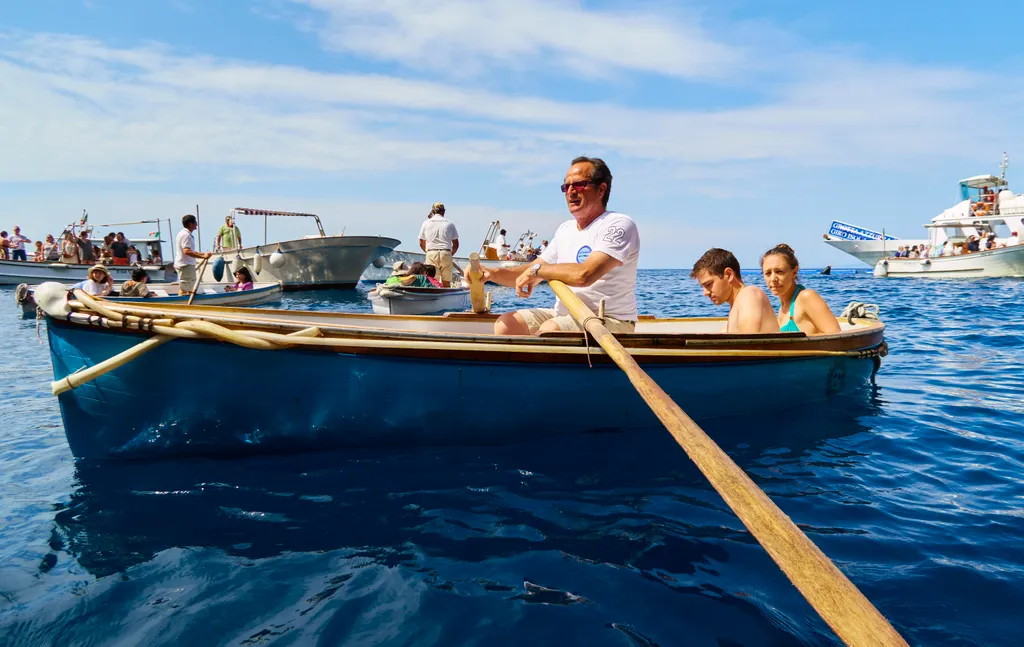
(345, 379)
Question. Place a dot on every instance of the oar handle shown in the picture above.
(475, 276)
(839, 603)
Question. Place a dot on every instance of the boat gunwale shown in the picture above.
(868, 334)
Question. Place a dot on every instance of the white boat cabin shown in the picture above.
(987, 206)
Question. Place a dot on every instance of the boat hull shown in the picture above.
(316, 399)
(871, 251)
(310, 263)
(17, 272)
(260, 294)
(1000, 262)
(408, 302)
(387, 261)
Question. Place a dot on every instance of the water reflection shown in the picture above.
(631, 499)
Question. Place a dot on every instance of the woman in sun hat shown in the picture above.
(99, 283)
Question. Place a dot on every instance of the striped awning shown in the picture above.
(245, 211)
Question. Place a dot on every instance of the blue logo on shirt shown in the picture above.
(583, 254)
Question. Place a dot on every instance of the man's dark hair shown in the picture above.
(716, 261)
(600, 175)
(139, 275)
(187, 220)
(502, 232)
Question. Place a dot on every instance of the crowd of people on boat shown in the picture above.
(972, 244)
(595, 253)
(115, 249)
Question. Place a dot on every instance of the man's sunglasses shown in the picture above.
(579, 185)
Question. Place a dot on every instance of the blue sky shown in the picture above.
(733, 124)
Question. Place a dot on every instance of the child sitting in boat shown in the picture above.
(99, 283)
(136, 287)
(414, 277)
(431, 272)
(39, 255)
(243, 281)
(750, 311)
(800, 310)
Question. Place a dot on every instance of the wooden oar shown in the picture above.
(833, 596)
(199, 279)
(79, 378)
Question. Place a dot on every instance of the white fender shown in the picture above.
(277, 259)
(237, 264)
(882, 269)
(257, 262)
(52, 297)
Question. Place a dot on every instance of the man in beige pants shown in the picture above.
(440, 240)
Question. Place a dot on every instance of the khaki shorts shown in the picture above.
(442, 260)
(537, 316)
(186, 278)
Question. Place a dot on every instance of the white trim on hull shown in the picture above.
(425, 302)
(871, 251)
(1000, 262)
(17, 272)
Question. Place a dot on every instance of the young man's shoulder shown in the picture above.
(752, 293)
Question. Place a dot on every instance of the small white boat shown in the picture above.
(209, 294)
(212, 294)
(402, 300)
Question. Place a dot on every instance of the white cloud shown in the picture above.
(470, 36)
(83, 110)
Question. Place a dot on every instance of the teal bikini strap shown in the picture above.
(792, 304)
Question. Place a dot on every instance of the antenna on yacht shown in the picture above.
(1002, 167)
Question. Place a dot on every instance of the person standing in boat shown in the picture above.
(440, 240)
(595, 253)
(17, 243)
(800, 309)
(229, 236)
(85, 250)
(185, 255)
(750, 311)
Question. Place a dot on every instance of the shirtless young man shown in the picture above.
(750, 311)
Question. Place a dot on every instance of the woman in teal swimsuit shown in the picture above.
(801, 309)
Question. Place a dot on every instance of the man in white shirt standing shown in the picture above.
(17, 242)
(185, 255)
(595, 254)
(440, 240)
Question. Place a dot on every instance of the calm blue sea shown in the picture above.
(914, 487)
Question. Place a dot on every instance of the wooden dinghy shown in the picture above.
(331, 379)
(402, 300)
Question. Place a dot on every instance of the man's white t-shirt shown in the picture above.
(438, 232)
(614, 234)
(18, 241)
(181, 241)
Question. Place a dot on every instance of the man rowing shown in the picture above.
(595, 254)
